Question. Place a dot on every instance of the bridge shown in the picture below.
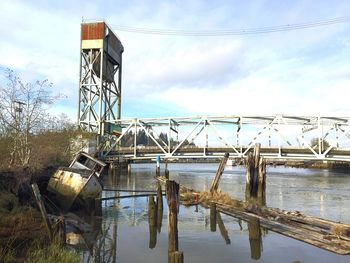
(282, 137)
(322, 138)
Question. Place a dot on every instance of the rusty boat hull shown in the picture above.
(72, 185)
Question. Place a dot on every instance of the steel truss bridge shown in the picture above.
(284, 137)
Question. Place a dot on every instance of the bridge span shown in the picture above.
(285, 137)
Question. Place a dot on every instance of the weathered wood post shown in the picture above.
(41, 206)
(255, 238)
(177, 257)
(152, 221)
(262, 180)
(212, 217)
(159, 207)
(256, 174)
(221, 168)
(166, 171)
(172, 192)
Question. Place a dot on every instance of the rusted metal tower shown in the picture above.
(100, 79)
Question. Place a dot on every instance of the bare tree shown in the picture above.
(23, 111)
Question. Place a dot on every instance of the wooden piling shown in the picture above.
(176, 257)
(159, 207)
(40, 203)
(262, 179)
(221, 168)
(255, 238)
(172, 193)
(152, 221)
(212, 217)
(166, 171)
(256, 174)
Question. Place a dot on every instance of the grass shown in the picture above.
(7, 255)
(52, 254)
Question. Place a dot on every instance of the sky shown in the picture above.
(300, 72)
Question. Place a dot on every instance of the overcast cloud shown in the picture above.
(295, 72)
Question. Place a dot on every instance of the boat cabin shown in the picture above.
(84, 161)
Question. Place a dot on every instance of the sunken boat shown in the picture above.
(78, 184)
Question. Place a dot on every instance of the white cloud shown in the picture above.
(297, 72)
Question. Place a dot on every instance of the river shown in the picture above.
(124, 232)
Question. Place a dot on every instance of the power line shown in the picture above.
(233, 32)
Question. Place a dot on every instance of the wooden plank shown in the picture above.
(315, 238)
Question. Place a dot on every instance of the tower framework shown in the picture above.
(100, 79)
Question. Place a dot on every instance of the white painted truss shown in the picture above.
(281, 137)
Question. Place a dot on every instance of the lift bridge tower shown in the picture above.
(100, 79)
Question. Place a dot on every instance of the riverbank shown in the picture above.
(23, 236)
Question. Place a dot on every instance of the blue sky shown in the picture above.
(295, 72)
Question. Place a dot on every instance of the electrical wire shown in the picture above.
(234, 32)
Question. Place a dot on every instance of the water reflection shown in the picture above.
(152, 222)
(222, 228)
(155, 216)
(255, 239)
(131, 231)
(255, 230)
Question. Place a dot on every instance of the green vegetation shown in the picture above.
(7, 255)
(37, 254)
(52, 254)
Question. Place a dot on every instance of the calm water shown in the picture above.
(123, 234)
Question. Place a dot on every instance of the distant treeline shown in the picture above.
(143, 139)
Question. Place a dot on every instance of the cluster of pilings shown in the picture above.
(255, 176)
(155, 217)
(255, 196)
